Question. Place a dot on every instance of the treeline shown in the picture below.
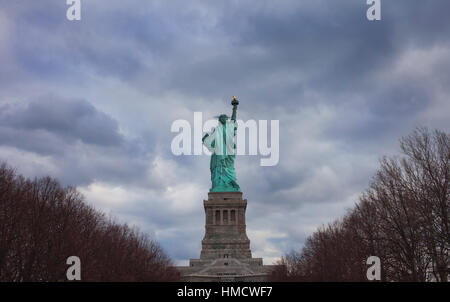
(43, 223)
(403, 218)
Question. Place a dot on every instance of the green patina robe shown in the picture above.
(222, 145)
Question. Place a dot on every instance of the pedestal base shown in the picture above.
(226, 254)
(225, 270)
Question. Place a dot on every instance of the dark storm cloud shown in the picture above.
(85, 143)
(68, 119)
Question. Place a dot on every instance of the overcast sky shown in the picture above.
(91, 103)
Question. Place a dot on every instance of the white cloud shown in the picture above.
(418, 62)
(106, 196)
(28, 163)
(262, 247)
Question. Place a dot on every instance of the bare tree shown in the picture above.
(403, 218)
(42, 224)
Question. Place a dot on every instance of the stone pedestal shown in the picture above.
(225, 230)
(226, 254)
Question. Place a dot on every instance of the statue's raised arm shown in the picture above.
(235, 103)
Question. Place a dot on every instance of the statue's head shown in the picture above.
(223, 118)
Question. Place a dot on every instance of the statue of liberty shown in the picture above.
(222, 145)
